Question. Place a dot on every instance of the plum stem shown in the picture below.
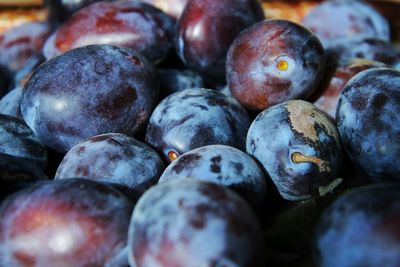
(323, 165)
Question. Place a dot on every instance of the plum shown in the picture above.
(206, 29)
(18, 44)
(174, 8)
(224, 165)
(18, 140)
(299, 147)
(191, 223)
(175, 80)
(274, 61)
(335, 78)
(129, 165)
(10, 103)
(334, 20)
(361, 228)
(89, 91)
(368, 122)
(72, 222)
(130, 24)
(194, 118)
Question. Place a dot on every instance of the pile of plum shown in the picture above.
(198, 133)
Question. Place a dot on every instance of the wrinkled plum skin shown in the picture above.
(361, 228)
(368, 122)
(223, 165)
(129, 165)
(130, 24)
(206, 29)
(16, 174)
(194, 118)
(335, 78)
(74, 222)
(336, 20)
(367, 48)
(18, 140)
(18, 44)
(284, 130)
(190, 223)
(274, 61)
(88, 91)
(174, 8)
(174, 80)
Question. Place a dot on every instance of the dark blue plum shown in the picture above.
(18, 140)
(368, 121)
(274, 61)
(192, 223)
(88, 91)
(225, 166)
(335, 20)
(361, 228)
(194, 118)
(16, 174)
(367, 48)
(299, 147)
(174, 80)
(129, 165)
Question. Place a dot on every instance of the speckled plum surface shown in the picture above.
(368, 121)
(88, 91)
(224, 165)
(196, 117)
(361, 228)
(122, 161)
(299, 147)
(191, 223)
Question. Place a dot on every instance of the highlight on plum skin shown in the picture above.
(74, 222)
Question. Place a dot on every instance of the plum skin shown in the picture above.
(367, 119)
(360, 228)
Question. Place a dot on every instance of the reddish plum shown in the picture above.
(274, 61)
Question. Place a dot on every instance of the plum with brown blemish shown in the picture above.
(88, 91)
(335, 78)
(73, 222)
(130, 24)
(368, 121)
(191, 223)
(194, 118)
(129, 165)
(336, 20)
(223, 165)
(274, 61)
(361, 228)
(299, 147)
(207, 28)
(18, 44)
